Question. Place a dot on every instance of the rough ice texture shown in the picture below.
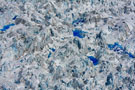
(67, 44)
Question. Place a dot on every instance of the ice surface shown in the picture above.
(67, 44)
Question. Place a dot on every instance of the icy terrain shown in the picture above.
(67, 44)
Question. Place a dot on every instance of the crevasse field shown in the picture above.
(67, 44)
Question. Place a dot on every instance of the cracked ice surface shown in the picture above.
(67, 44)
